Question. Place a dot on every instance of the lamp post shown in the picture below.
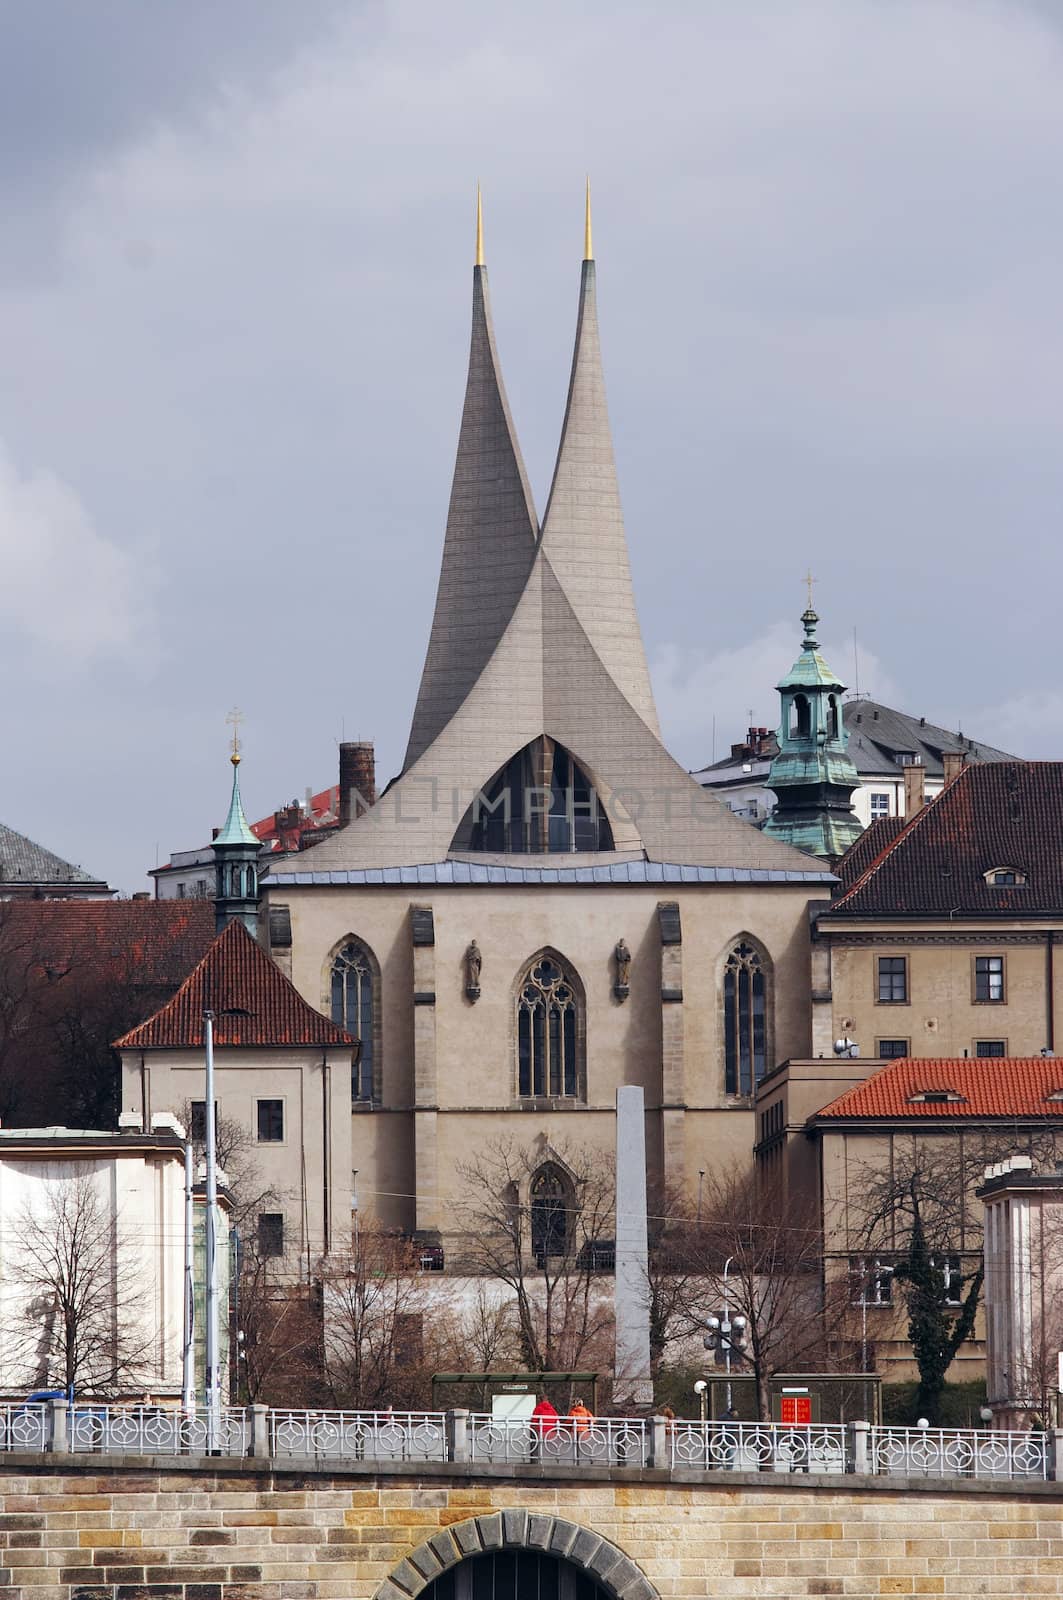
(727, 1331)
(212, 1373)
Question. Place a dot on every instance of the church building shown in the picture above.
(543, 906)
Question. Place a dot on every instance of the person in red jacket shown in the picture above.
(543, 1424)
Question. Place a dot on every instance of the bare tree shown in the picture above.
(547, 1244)
(78, 1293)
(768, 1267)
(374, 1307)
(279, 1349)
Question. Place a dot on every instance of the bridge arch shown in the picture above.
(581, 1549)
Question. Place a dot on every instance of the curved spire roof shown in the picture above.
(490, 539)
(235, 829)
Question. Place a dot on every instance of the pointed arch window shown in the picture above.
(353, 997)
(745, 1017)
(551, 1212)
(550, 1029)
(541, 802)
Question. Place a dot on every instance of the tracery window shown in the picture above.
(745, 1018)
(542, 802)
(551, 1211)
(353, 1008)
(549, 1028)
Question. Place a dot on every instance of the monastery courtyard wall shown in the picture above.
(204, 1529)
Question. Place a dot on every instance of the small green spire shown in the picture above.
(235, 829)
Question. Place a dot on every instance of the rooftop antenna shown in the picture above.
(713, 744)
(856, 667)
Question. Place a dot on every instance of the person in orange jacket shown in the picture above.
(581, 1418)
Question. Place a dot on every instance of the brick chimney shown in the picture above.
(357, 779)
(914, 789)
(954, 762)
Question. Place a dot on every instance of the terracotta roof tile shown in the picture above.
(1002, 814)
(867, 848)
(144, 943)
(235, 973)
(1009, 1086)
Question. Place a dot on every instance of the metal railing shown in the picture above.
(359, 1435)
(759, 1447)
(24, 1427)
(153, 1430)
(568, 1444)
(604, 1441)
(958, 1453)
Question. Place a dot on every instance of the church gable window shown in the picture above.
(541, 802)
(353, 987)
(549, 1031)
(552, 1208)
(745, 1017)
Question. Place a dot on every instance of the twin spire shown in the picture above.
(494, 538)
(588, 244)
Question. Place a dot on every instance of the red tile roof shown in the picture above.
(1001, 814)
(151, 944)
(1001, 1087)
(235, 973)
(867, 848)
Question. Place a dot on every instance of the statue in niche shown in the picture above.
(622, 957)
(473, 964)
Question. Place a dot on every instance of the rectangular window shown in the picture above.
(270, 1233)
(270, 1121)
(871, 1281)
(199, 1121)
(893, 980)
(880, 805)
(989, 979)
(950, 1269)
(892, 1049)
(990, 1047)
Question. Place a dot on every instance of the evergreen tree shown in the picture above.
(936, 1329)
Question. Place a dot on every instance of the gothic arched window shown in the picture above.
(745, 1018)
(549, 1031)
(551, 1212)
(353, 1000)
(541, 802)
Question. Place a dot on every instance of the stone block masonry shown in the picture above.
(206, 1529)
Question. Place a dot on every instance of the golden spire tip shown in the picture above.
(479, 228)
(588, 247)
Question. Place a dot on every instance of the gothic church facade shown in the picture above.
(543, 906)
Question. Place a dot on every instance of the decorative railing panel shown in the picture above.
(958, 1453)
(758, 1447)
(360, 1435)
(603, 1441)
(155, 1431)
(24, 1427)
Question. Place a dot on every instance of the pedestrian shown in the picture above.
(581, 1418)
(544, 1421)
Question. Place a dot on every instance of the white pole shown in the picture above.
(727, 1329)
(212, 1375)
(188, 1364)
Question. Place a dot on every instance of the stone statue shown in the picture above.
(622, 956)
(473, 963)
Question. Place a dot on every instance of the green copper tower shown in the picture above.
(813, 776)
(236, 852)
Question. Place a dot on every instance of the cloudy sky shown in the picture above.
(234, 299)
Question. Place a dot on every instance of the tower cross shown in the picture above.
(810, 581)
(234, 720)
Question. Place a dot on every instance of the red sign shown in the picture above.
(795, 1409)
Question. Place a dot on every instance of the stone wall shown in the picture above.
(215, 1530)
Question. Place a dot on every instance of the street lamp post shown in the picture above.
(212, 1377)
(726, 1330)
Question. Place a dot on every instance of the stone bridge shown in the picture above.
(209, 1528)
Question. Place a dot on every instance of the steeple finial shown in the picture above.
(479, 228)
(234, 719)
(588, 246)
(810, 580)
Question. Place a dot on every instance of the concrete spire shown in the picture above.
(583, 535)
(490, 540)
(588, 243)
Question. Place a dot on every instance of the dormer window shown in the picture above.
(936, 1097)
(1005, 878)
